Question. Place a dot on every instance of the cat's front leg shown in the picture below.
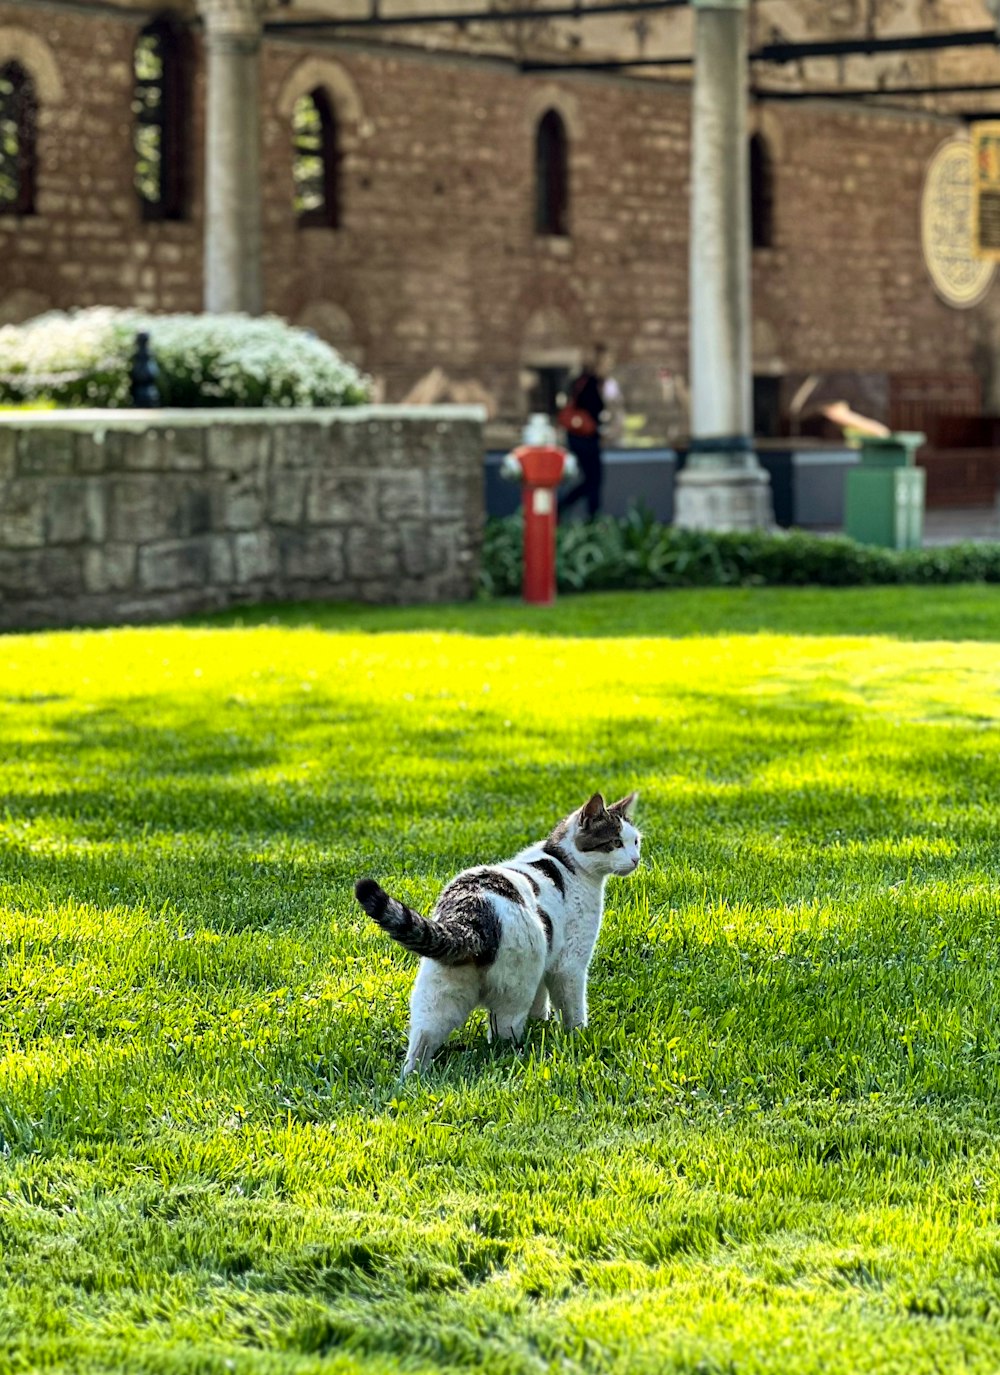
(506, 1026)
(569, 995)
(540, 1008)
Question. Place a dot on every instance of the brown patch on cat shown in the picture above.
(551, 871)
(546, 921)
(536, 887)
(557, 852)
(603, 832)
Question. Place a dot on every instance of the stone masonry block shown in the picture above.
(383, 443)
(313, 555)
(19, 572)
(8, 453)
(286, 497)
(346, 445)
(91, 452)
(241, 500)
(415, 447)
(424, 550)
(192, 511)
(152, 508)
(437, 446)
(182, 449)
(239, 448)
(222, 566)
(449, 497)
(402, 495)
(46, 451)
(95, 502)
(65, 513)
(109, 568)
(256, 555)
(140, 451)
(60, 571)
(136, 510)
(22, 514)
(301, 446)
(170, 564)
(457, 448)
(342, 499)
(380, 592)
(36, 573)
(99, 451)
(372, 554)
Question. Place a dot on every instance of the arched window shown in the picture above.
(316, 160)
(160, 106)
(18, 115)
(551, 176)
(761, 194)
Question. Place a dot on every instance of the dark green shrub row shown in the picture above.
(636, 551)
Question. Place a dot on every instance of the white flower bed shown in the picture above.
(84, 358)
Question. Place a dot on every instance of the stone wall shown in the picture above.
(131, 515)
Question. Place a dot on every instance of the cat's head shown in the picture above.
(602, 839)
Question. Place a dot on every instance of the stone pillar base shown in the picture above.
(717, 499)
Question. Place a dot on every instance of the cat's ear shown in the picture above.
(591, 810)
(625, 806)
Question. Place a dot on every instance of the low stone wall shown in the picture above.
(110, 516)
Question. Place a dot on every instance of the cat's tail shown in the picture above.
(430, 939)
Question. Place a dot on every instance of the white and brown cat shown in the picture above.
(515, 938)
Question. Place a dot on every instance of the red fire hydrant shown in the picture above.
(542, 468)
(539, 465)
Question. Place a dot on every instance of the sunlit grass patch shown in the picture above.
(775, 1147)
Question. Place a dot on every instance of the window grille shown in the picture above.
(160, 107)
(18, 120)
(316, 161)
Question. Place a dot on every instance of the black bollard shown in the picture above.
(145, 392)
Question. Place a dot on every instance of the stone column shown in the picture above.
(232, 275)
(722, 487)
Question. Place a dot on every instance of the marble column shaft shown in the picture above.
(719, 255)
(722, 486)
(232, 269)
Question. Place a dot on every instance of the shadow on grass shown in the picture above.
(161, 803)
(954, 612)
(321, 768)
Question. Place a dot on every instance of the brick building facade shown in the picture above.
(436, 260)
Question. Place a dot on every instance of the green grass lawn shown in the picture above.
(776, 1148)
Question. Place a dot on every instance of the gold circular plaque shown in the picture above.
(959, 277)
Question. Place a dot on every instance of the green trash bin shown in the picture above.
(884, 500)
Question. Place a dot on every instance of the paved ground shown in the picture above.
(979, 523)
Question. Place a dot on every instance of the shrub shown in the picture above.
(84, 358)
(636, 551)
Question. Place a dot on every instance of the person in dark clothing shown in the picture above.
(586, 393)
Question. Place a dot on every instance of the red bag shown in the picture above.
(576, 421)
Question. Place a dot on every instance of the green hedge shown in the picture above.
(84, 358)
(636, 551)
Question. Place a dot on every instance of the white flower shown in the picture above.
(229, 358)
